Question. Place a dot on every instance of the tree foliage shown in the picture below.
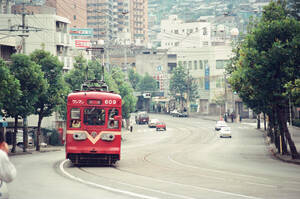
(265, 62)
(9, 87)
(182, 85)
(147, 84)
(54, 92)
(32, 84)
(134, 78)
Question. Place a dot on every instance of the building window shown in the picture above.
(195, 65)
(200, 64)
(220, 64)
(184, 64)
(220, 82)
(74, 17)
(190, 65)
(204, 31)
(179, 63)
(201, 83)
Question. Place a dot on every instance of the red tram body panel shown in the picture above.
(93, 127)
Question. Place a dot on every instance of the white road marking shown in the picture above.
(213, 170)
(218, 171)
(120, 190)
(102, 186)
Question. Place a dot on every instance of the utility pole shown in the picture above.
(188, 93)
(25, 121)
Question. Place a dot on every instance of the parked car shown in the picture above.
(161, 126)
(176, 113)
(142, 118)
(152, 123)
(225, 132)
(220, 124)
(20, 139)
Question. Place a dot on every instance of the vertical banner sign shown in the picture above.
(206, 76)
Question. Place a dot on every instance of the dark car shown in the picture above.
(176, 113)
(142, 118)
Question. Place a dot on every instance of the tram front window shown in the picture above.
(75, 118)
(94, 116)
(113, 124)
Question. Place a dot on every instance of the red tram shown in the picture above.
(93, 126)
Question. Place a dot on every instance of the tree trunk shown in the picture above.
(282, 121)
(14, 138)
(25, 134)
(258, 121)
(127, 123)
(283, 124)
(265, 125)
(38, 133)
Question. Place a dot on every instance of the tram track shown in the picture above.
(132, 179)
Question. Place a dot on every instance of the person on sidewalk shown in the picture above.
(131, 125)
(7, 169)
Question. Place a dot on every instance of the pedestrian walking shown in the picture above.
(131, 125)
(232, 117)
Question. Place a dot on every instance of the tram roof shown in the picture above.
(94, 94)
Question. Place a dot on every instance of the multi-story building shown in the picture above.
(139, 22)
(50, 32)
(75, 11)
(203, 48)
(5, 6)
(112, 20)
(176, 33)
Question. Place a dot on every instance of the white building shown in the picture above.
(203, 48)
(50, 32)
(206, 66)
(176, 33)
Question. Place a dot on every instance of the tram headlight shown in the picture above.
(107, 137)
(79, 136)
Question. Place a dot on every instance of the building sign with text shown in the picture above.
(81, 32)
(82, 43)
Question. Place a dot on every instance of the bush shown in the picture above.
(54, 139)
(296, 122)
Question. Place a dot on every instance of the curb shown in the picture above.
(275, 154)
(32, 151)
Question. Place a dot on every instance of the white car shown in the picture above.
(225, 132)
(20, 139)
(220, 124)
(152, 123)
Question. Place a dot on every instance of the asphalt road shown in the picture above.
(187, 161)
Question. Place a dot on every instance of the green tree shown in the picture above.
(126, 92)
(54, 93)
(147, 84)
(265, 62)
(293, 91)
(9, 89)
(183, 86)
(32, 84)
(134, 78)
(80, 73)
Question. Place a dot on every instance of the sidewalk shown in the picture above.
(31, 150)
(294, 131)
